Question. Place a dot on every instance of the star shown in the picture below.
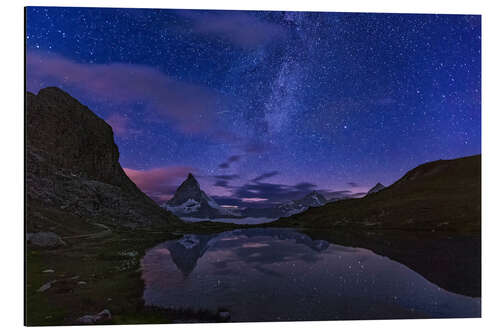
(320, 98)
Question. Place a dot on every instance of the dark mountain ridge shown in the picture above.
(378, 187)
(72, 168)
(439, 195)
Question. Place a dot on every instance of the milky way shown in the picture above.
(267, 105)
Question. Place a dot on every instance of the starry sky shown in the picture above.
(264, 107)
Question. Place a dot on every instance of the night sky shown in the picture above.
(264, 107)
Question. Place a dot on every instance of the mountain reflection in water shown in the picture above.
(284, 274)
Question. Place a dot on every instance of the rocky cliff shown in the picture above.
(72, 168)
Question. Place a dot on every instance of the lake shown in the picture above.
(284, 274)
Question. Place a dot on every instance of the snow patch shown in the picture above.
(189, 241)
(189, 206)
(295, 211)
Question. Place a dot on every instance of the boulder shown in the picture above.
(45, 239)
(102, 316)
(224, 315)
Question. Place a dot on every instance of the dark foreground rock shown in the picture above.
(45, 239)
(103, 316)
(72, 166)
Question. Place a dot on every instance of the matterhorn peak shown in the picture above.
(190, 200)
(190, 181)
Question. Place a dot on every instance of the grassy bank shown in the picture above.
(93, 273)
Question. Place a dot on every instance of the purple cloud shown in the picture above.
(159, 183)
(226, 177)
(242, 29)
(121, 126)
(257, 147)
(230, 160)
(126, 84)
(221, 183)
(265, 176)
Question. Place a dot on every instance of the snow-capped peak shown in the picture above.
(190, 200)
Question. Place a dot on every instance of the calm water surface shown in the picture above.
(282, 274)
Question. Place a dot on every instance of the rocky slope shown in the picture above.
(440, 195)
(378, 187)
(72, 171)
